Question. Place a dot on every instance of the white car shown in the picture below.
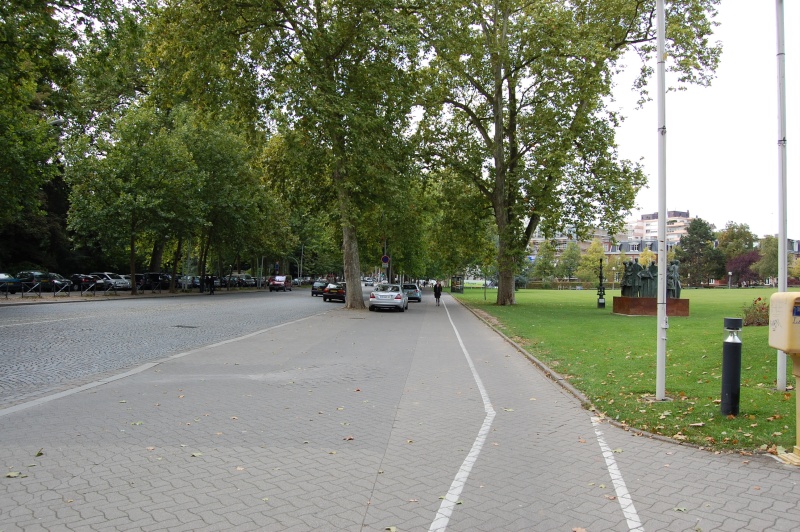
(114, 279)
(388, 296)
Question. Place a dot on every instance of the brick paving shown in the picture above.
(345, 420)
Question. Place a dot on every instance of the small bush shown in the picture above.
(757, 313)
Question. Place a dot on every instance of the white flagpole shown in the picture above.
(782, 259)
(661, 300)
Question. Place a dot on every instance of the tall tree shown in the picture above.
(741, 267)
(700, 260)
(337, 71)
(589, 268)
(544, 267)
(517, 106)
(767, 265)
(569, 261)
(736, 239)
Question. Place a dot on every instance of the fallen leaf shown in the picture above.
(757, 488)
(578, 529)
(196, 455)
(234, 418)
(679, 509)
(180, 397)
(348, 438)
(357, 390)
(700, 424)
(391, 528)
(611, 497)
(137, 423)
(332, 452)
(617, 450)
(508, 409)
(413, 500)
(265, 499)
(581, 440)
(39, 453)
(239, 468)
(151, 448)
(12, 474)
(123, 401)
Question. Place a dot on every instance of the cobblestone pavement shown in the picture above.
(346, 420)
(48, 344)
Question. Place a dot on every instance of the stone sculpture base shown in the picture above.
(647, 306)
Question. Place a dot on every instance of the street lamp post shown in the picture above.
(730, 274)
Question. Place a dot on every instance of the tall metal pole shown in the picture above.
(661, 300)
(782, 259)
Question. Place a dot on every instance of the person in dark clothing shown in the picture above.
(211, 284)
(437, 291)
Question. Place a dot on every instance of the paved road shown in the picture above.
(425, 420)
(49, 347)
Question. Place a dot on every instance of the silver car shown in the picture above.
(388, 296)
(113, 279)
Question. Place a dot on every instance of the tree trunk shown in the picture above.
(157, 257)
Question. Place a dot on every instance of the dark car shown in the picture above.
(152, 281)
(333, 291)
(9, 283)
(59, 283)
(86, 281)
(318, 287)
(34, 281)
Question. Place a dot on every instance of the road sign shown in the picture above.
(385, 259)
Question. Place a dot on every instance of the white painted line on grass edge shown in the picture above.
(624, 498)
(451, 499)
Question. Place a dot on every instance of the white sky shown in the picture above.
(722, 141)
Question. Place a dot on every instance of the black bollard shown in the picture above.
(731, 367)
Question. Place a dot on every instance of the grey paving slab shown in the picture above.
(362, 421)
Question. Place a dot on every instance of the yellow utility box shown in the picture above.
(784, 321)
(784, 334)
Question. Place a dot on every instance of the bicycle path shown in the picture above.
(356, 420)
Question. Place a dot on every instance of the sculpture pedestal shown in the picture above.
(647, 306)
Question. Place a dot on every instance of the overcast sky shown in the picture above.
(722, 141)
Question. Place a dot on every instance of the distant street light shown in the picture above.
(729, 279)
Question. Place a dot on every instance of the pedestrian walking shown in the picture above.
(437, 291)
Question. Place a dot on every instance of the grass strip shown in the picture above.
(612, 360)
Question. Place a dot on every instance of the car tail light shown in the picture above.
(372, 295)
(399, 296)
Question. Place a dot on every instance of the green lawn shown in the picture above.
(612, 359)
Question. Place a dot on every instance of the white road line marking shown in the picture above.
(624, 498)
(451, 499)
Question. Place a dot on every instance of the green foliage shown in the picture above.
(736, 239)
(614, 364)
(34, 72)
(544, 268)
(589, 267)
(515, 106)
(569, 261)
(700, 260)
(767, 266)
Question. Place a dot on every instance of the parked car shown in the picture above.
(244, 280)
(10, 284)
(318, 287)
(59, 283)
(336, 291)
(113, 279)
(152, 281)
(34, 280)
(84, 281)
(388, 296)
(189, 281)
(369, 281)
(280, 282)
(412, 291)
